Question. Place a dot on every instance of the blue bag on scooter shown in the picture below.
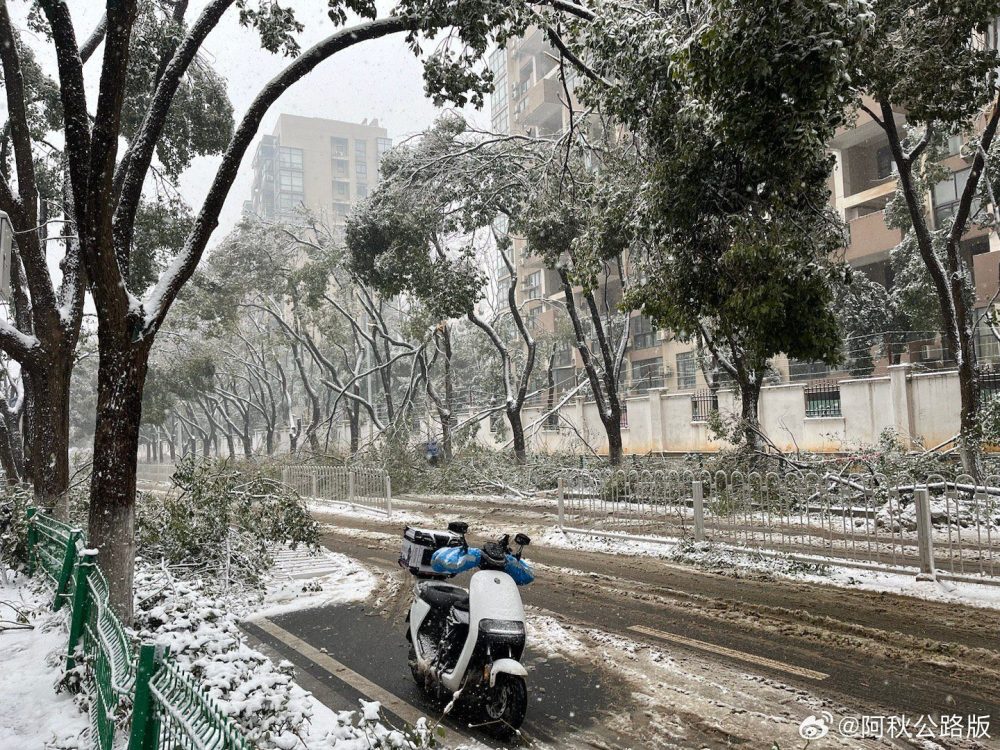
(455, 560)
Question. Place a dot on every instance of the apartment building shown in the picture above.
(528, 99)
(325, 166)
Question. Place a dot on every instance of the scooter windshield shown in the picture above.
(455, 560)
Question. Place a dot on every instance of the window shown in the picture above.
(340, 210)
(361, 189)
(341, 168)
(341, 190)
(822, 399)
(338, 146)
(623, 417)
(551, 423)
(361, 170)
(948, 194)
(290, 201)
(884, 164)
(703, 403)
(687, 370)
(647, 373)
(360, 149)
(645, 332)
(290, 181)
(290, 158)
(383, 145)
(533, 285)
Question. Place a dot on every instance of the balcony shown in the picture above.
(541, 106)
(871, 239)
(875, 197)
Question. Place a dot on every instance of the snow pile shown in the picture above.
(720, 558)
(32, 713)
(944, 513)
(200, 625)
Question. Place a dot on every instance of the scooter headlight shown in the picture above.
(501, 627)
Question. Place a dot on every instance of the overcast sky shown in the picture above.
(379, 79)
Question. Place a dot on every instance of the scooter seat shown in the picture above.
(444, 596)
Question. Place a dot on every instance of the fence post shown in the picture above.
(143, 734)
(925, 542)
(388, 495)
(312, 483)
(561, 502)
(69, 556)
(32, 539)
(698, 502)
(80, 603)
(350, 486)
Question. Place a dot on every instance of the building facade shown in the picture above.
(529, 99)
(324, 166)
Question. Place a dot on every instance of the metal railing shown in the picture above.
(359, 486)
(154, 473)
(945, 527)
(169, 708)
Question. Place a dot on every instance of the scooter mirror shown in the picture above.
(458, 527)
(522, 539)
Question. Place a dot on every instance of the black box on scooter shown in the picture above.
(419, 545)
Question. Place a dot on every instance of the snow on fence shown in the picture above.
(359, 486)
(170, 709)
(949, 528)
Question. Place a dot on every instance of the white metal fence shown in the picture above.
(948, 528)
(155, 473)
(359, 486)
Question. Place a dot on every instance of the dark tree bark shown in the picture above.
(949, 274)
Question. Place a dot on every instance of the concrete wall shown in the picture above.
(921, 408)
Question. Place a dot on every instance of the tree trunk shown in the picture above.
(613, 428)
(750, 412)
(971, 397)
(517, 434)
(49, 437)
(121, 375)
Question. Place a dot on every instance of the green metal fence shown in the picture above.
(169, 708)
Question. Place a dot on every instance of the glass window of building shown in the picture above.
(341, 168)
(644, 333)
(339, 146)
(362, 190)
(290, 201)
(948, 194)
(647, 373)
(290, 158)
(384, 144)
(340, 210)
(361, 169)
(687, 370)
(360, 149)
(290, 180)
(341, 190)
(533, 285)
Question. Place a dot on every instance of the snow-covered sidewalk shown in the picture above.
(32, 713)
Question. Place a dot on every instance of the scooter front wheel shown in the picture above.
(505, 704)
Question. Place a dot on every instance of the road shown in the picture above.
(803, 645)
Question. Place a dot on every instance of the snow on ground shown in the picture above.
(741, 561)
(686, 700)
(336, 579)
(32, 714)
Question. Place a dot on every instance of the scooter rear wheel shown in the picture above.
(505, 704)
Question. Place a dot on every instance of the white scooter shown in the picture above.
(469, 644)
